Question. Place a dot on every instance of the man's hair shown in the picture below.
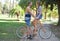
(29, 2)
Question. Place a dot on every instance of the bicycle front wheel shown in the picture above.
(21, 31)
(45, 35)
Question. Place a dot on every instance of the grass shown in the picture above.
(8, 20)
(7, 31)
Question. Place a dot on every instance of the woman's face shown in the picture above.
(36, 4)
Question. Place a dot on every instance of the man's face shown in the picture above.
(31, 4)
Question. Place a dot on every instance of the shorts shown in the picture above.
(27, 20)
(40, 17)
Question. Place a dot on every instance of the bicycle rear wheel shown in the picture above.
(45, 35)
(21, 31)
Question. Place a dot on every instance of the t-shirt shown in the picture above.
(39, 10)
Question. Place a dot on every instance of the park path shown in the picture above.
(37, 38)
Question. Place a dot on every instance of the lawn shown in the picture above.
(8, 29)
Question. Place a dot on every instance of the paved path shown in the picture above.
(37, 38)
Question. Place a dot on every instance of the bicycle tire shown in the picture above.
(20, 31)
(45, 35)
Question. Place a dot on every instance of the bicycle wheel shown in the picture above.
(45, 35)
(20, 32)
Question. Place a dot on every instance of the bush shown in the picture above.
(16, 9)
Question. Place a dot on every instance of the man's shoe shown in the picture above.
(30, 37)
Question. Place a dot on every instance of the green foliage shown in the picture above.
(55, 14)
(50, 2)
(16, 9)
(0, 5)
(5, 7)
(0, 8)
(12, 10)
(24, 3)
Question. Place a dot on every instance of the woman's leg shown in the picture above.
(42, 27)
(40, 24)
(35, 27)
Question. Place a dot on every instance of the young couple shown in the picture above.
(28, 15)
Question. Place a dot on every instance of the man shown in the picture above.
(28, 15)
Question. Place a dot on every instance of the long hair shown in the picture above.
(38, 2)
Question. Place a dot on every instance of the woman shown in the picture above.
(38, 17)
(28, 15)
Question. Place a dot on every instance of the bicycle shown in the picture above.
(20, 32)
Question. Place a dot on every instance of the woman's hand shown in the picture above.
(34, 21)
(36, 18)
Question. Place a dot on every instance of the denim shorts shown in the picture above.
(27, 21)
(40, 17)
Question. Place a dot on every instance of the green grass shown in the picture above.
(8, 29)
(8, 20)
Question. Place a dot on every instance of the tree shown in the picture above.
(24, 3)
(5, 8)
(58, 3)
(16, 9)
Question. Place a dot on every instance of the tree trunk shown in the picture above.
(58, 3)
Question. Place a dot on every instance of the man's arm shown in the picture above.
(30, 12)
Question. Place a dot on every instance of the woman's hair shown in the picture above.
(38, 2)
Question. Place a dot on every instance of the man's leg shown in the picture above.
(28, 27)
(29, 33)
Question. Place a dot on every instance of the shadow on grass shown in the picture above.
(8, 31)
